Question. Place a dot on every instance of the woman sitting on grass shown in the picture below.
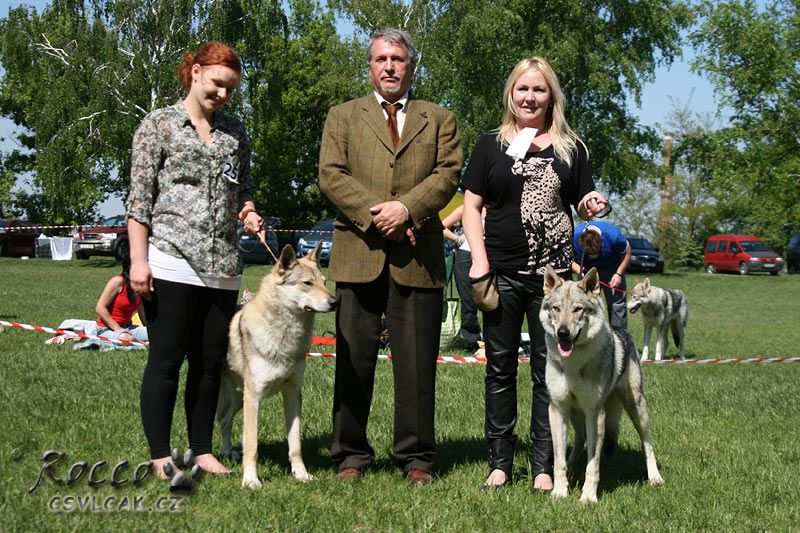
(116, 306)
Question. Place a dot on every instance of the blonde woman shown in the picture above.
(529, 194)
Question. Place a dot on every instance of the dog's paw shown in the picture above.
(657, 480)
(233, 454)
(303, 476)
(251, 482)
(560, 492)
(588, 498)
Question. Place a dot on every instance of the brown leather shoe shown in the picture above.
(419, 477)
(348, 474)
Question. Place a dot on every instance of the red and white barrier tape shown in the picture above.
(743, 360)
(15, 228)
(55, 331)
(94, 226)
(471, 360)
(440, 359)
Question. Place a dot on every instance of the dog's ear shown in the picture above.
(646, 285)
(314, 254)
(551, 280)
(591, 282)
(287, 259)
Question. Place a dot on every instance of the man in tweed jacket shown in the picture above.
(387, 253)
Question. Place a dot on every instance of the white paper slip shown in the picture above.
(519, 146)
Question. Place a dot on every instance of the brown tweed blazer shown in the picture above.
(359, 168)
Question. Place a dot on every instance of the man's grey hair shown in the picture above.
(395, 36)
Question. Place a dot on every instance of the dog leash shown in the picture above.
(261, 233)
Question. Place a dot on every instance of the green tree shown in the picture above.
(80, 76)
(603, 51)
(752, 56)
(297, 68)
(78, 79)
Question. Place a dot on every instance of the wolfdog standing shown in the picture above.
(266, 355)
(663, 308)
(592, 373)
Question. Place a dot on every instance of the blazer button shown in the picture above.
(394, 192)
(391, 164)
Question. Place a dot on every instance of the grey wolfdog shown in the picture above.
(592, 372)
(269, 337)
(663, 308)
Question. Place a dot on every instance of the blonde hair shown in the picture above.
(564, 139)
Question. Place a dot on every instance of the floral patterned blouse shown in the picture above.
(188, 192)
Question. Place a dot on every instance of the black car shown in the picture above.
(793, 254)
(644, 256)
(251, 249)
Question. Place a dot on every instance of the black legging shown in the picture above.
(184, 321)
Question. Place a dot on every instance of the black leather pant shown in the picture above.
(501, 331)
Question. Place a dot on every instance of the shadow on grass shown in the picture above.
(450, 454)
(625, 466)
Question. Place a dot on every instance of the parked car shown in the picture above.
(742, 254)
(644, 256)
(321, 231)
(793, 254)
(109, 238)
(251, 249)
(15, 241)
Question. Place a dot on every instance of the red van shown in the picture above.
(742, 254)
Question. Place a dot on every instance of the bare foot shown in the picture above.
(160, 465)
(543, 482)
(210, 464)
(497, 478)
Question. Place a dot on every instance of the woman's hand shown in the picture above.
(254, 225)
(141, 278)
(591, 204)
(478, 269)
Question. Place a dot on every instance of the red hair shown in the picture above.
(211, 53)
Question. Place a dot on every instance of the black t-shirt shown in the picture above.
(528, 220)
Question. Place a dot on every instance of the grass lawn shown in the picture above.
(725, 435)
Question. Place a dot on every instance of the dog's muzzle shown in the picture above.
(566, 341)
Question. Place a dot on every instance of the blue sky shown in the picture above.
(676, 82)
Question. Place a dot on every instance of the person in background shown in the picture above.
(602, 245)
(190, 181)
(116, 306)
(389, 163)
(470, 328)
(528, 195)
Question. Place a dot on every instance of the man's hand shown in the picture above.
(391, 219)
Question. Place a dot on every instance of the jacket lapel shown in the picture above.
(416, 120)
(373, 115)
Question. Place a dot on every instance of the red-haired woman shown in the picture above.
(190, 181)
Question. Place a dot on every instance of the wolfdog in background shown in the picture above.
(663, 308)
